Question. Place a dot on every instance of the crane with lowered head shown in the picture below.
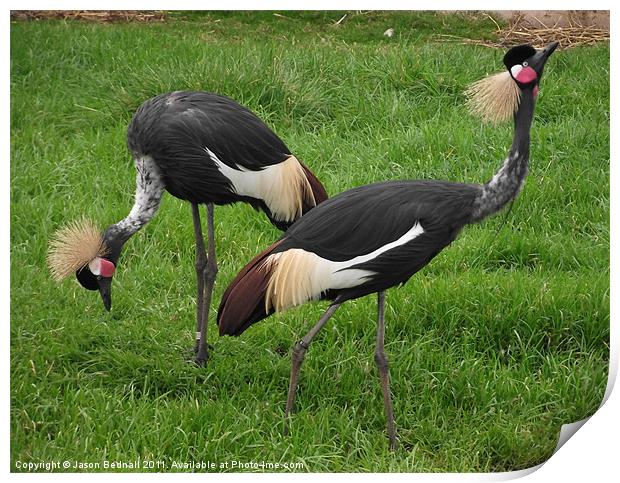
(203, 148)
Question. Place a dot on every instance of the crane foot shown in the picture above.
(201, 359)
(193, 356)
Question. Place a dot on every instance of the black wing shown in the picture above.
(360, 221)
(179, 125)
(363, 219)
(175, 128)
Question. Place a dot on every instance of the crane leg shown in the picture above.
(384, 371)
(299, 352)
(206, 269)
(209, 275)
(201, 263)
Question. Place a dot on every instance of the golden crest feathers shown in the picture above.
(73, 247)
(494, 98)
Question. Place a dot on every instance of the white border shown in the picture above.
(590, 455)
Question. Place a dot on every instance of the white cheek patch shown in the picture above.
(515, 69)
(95, 266)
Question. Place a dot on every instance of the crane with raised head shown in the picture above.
(203, 148)
(368, 239)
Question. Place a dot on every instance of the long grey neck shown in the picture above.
(149, 190)
(508, 181)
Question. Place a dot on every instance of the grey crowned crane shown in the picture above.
(203, 148)
(374, 237)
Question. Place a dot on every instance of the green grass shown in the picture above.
(493, 347)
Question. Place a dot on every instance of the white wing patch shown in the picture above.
(298, 275)
(415, 231)
(283, 186)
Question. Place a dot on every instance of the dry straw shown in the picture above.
(73, 247)
(522, 29)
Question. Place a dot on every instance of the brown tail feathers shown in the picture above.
(318, 190)
(243, 302)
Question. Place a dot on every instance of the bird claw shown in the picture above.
(201, 361)
(202, 357)
(193, 355)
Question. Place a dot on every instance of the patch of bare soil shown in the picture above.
(540, 27)
(559, 18)
(91, 15)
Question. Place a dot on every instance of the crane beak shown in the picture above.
(544, 54)
(105, 289)
(539, 59)
(548, 50)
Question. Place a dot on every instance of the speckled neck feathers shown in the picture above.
(149, 190)
(508, 181)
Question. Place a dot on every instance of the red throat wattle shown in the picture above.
(526, 75)
(106, 268)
